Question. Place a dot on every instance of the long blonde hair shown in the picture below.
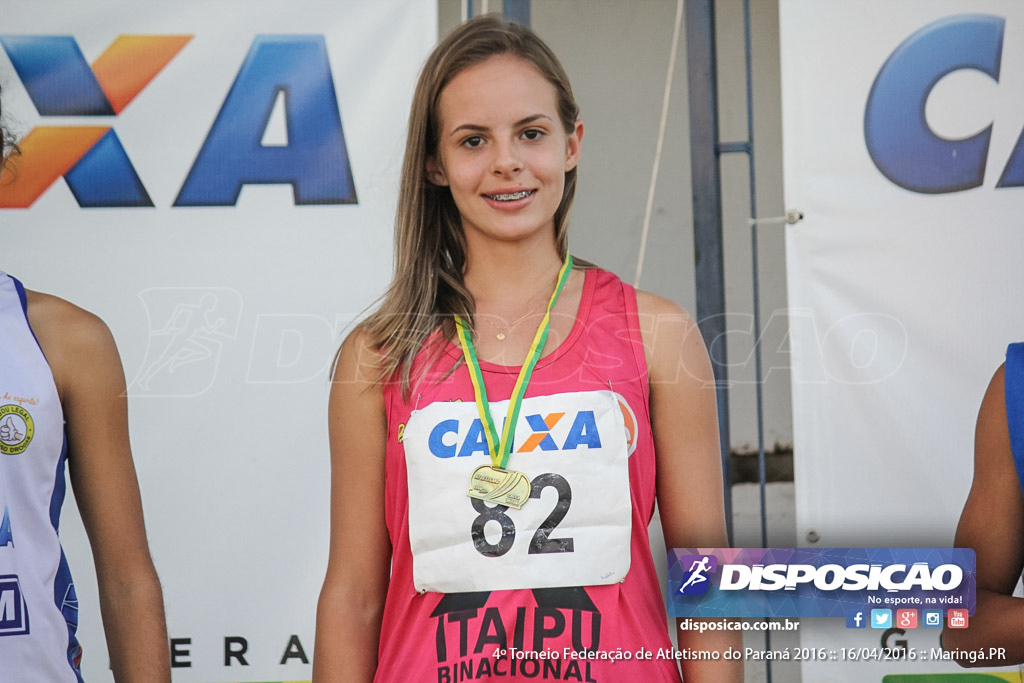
(428, 288)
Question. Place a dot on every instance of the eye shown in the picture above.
(533, 134)
(473, 141)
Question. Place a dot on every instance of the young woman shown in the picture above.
(62, 397)
(501, 427)
(992, 521)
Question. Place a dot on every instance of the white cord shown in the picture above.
(661, 142)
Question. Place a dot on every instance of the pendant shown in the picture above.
(501, 336)
(504, 487)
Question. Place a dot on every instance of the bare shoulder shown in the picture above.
(660, 316)
(992, 421)
(358, 360)
(684, 422)
(357, 392)
(993, 456)
(672, 340)
(653, 304)
(74, 340)
(61, 322)
(996, 538)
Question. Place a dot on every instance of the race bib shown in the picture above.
(573, 531)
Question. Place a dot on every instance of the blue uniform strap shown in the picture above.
(23, 298)
(1014, 389)
(20, 289)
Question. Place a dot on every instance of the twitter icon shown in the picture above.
(881, 618)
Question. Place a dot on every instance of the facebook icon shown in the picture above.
(856, 619)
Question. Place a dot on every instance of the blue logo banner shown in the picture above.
(817, 582)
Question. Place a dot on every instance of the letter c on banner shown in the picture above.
(897, 134)
(440, 446)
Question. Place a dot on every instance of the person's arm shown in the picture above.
(992, 523)
(351, 602)
(684, 419)
(90, 380)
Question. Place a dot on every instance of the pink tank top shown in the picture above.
(557, 632)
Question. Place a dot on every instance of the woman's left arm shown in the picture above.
(90, 380)
(684, 419)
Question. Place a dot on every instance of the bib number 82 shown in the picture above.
(541, 542)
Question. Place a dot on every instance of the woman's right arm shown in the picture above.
(351, 602)
(992, 523)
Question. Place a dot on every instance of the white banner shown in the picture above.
(901, 126)
(217, 181)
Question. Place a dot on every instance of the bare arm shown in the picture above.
(90, 380)
(684, 419)
(992, 523)
(352, 599)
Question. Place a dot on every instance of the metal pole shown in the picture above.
(707, 212)
(758, 372)
(517, 12)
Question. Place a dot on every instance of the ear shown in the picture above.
(572, 146)
(435, 173)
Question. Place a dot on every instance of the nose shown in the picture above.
(507, 159)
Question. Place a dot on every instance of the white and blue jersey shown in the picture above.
(1014, 391)
(38, 606)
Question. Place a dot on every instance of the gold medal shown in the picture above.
(493, 482)
(504, 487)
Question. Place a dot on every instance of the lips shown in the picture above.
(510, 196)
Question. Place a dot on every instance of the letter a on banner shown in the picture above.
(315, 160)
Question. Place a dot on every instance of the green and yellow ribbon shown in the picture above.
(501, 448)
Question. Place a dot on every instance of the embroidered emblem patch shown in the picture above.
(16, 429)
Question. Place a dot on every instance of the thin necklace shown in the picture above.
(502, 330)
